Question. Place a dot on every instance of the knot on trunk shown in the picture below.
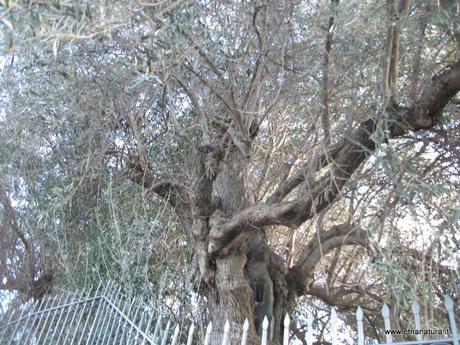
(138, 171)
(42, 285)
(298, 282)
(202, 268)
(222, 239)
(200, 229)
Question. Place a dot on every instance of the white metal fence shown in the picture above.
(108, 317)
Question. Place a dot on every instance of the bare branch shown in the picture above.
(260, 62)
(299, 275)
(29, 278)
(211, 87)
(199, 110)
(452, 7)
(202, 53)
(172, 192)
(392, 45)
(338, 296)
(417, 62)
(353, 150)
(319, 161)
(325, 121)
(11, 216)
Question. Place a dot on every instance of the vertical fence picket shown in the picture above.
(165, 335)
(416, 312)
(3, 318)
(149, 324)
(100, 306)
(147, 330)
(123, 332)
(81, 316)
(42, 312)
(109, 325)
(136, 313)
(244, 336)
(264, 331)
(334, 326)
(449, 303)
(47, 313)
(386, 321)
(359, 322)
(96, 330)
(226, 332)
(207, 337)
(31, 316)
(67, 325)
(157, 329)
(175, 335)
(141, 321)
(56, 327)
(5, 329)
(5, 325)
(190, 334)
(309, 328)
(80, 312)
(16, 327)
(286, 323)
(104, 322)
(51, 323)
(115, 337)
(109, 299)
(272, 328)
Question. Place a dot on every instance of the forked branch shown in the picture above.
(349, 155)
(300, 274)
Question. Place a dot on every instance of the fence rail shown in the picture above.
(108, 317)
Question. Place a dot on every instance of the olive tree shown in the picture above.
(288, 138)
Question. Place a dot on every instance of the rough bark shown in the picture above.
(230, 298)
(300, 276)
(241, 287)
(236, 239)
(346, 158)
(235, 268)
(29, 277)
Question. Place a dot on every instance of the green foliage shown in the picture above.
(77, 76)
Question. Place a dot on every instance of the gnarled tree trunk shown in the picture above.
(245, 280)
(235, 268)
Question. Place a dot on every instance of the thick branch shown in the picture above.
(300, 274)
(11, 216)
(27, 277)
(138, 170)
(325, 122)
(260, 62)
(320, 161)
(353, 151)
(418, 60)
(172, 192)
(340, 297)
